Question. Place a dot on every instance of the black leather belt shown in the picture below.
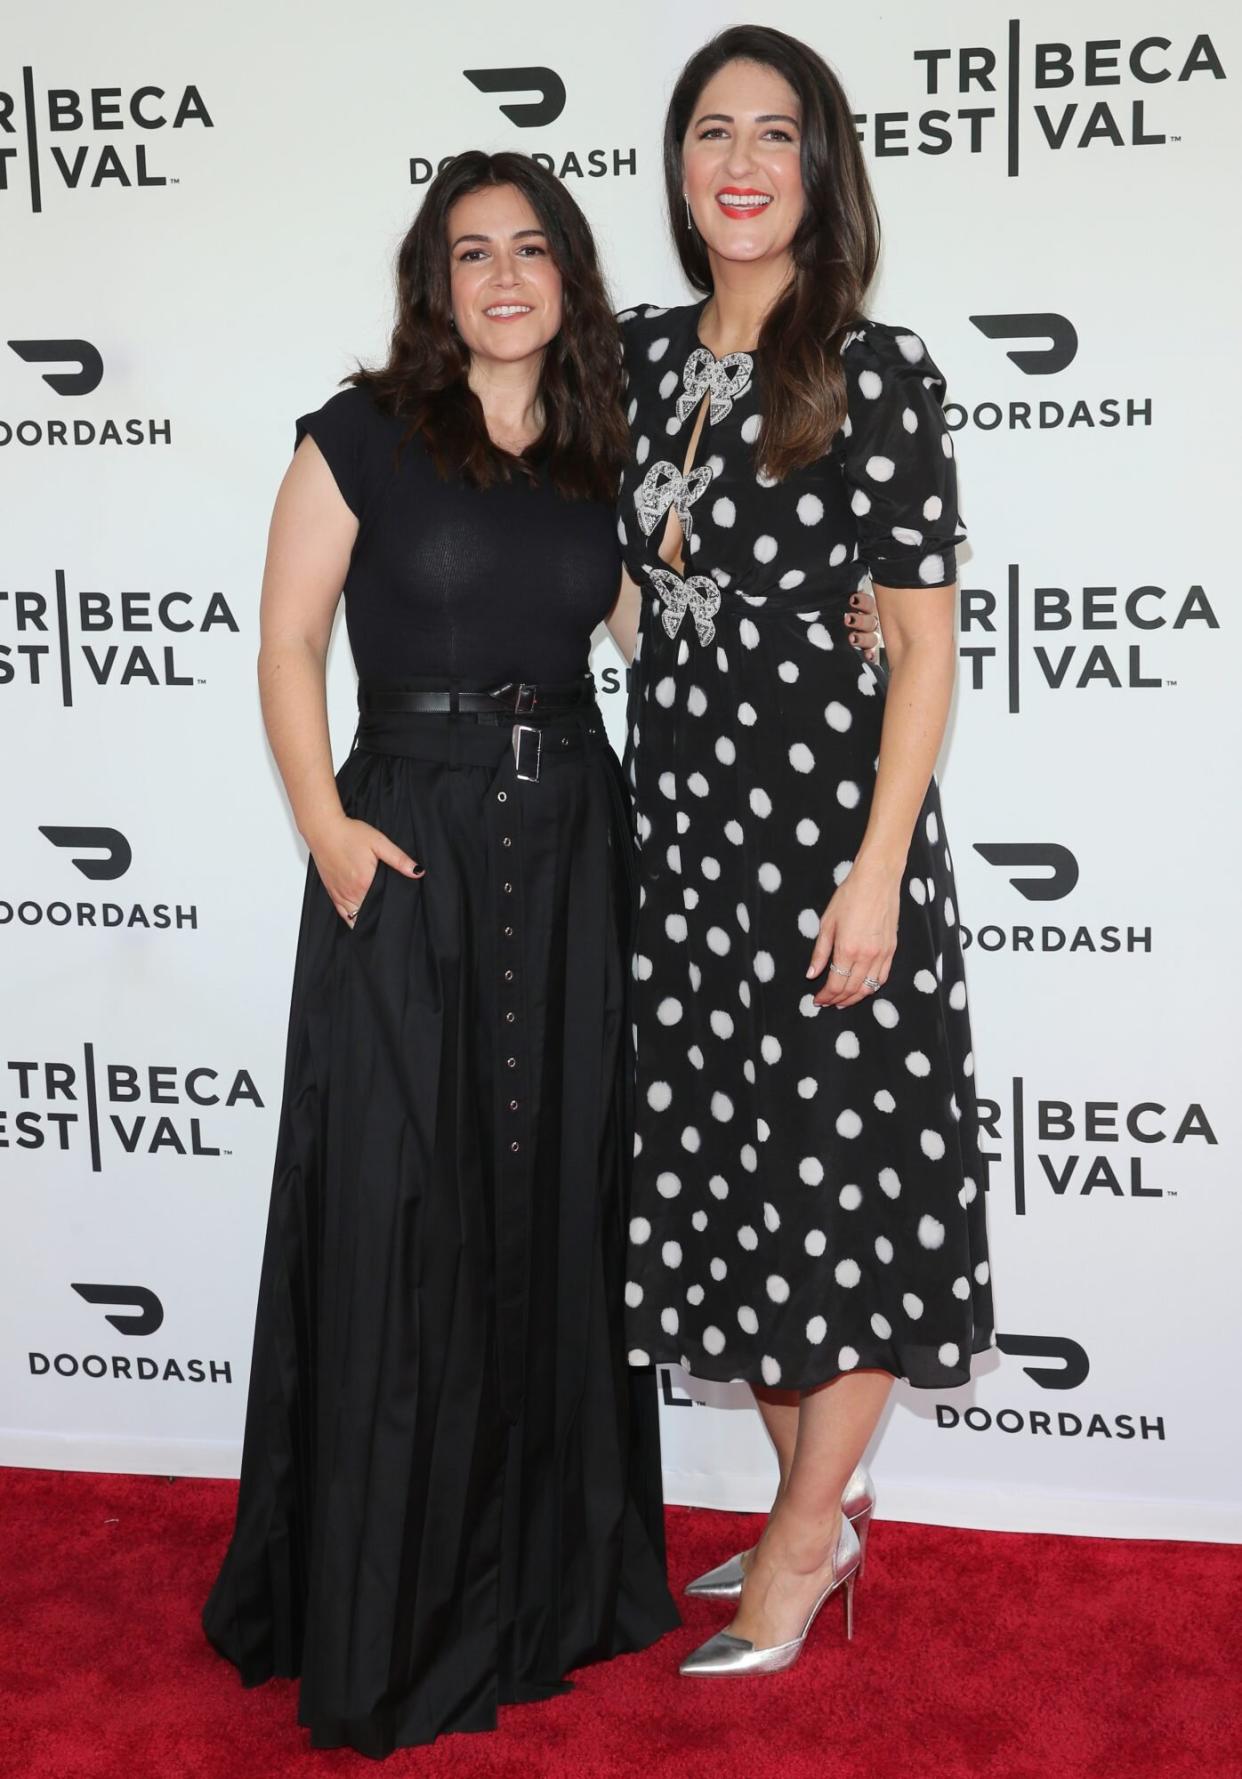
(513, 698)
(523, 705)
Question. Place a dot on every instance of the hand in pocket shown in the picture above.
(349, 856)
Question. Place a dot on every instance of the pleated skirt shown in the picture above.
(450, 1486)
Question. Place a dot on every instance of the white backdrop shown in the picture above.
(208, 201)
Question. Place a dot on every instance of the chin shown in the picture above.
(512, 342)
(518, 350)
(745, 248)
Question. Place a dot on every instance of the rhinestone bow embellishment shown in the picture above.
(727, 378)
(698, 594)
(663, 487)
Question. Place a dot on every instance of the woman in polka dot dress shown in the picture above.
(808, 1211)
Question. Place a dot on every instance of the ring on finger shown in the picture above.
(840, 970)
(871, 982)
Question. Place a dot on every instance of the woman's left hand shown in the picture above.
(863, 623)
(858, 934)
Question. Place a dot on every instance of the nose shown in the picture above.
(741, 156)
(506, 271)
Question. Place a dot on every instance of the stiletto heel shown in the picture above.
(857, 1504)
(726, 1654)
(862, 1525)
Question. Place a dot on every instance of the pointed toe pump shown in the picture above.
(724, 1582)
(725, 1654)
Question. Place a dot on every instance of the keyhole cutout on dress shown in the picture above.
(672, 544)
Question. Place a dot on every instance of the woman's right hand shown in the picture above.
(348, 854)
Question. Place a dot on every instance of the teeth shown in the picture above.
(739, 203)
(508, 309)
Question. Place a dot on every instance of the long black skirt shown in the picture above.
(450, 1485)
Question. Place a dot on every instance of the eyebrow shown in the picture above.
(518, 235)
(722, 117)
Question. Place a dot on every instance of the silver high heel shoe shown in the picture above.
(724, 1582)
(726, 1654)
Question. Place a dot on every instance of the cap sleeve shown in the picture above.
(898, 459)
(339, 430)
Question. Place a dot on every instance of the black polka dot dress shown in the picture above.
(808, 1190)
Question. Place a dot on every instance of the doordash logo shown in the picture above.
(118, 854)
(136, 1312)
(146, 1312)
(77, 370)
(1061, 1363)
(533, 98)
(1058, 330)
(1048, 345)
(530, 114)
(88, 359)
(1058, 864)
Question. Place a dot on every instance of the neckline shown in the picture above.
(750, 352)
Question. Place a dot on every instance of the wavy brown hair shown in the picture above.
(585, 438)
(835, 249)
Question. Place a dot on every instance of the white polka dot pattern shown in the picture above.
(805, 1197)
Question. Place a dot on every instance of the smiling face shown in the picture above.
(506, 292)
(741, 159)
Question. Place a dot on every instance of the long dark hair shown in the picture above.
(585, 438)
(834, 251)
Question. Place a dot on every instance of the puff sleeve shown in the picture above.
(635, 330)
(898, 459)
(339, 429)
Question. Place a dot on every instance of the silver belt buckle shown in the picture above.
(527, 751)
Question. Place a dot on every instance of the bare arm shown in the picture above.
(309, 542)
(918, 625)
(859, 925)
(622, 620)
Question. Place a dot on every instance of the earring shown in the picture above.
(689, 218)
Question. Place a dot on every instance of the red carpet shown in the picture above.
(980, 1654)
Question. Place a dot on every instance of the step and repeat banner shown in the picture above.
(199, 209)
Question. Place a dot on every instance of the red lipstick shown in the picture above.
(739, 210)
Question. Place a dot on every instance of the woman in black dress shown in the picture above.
(808, 1211)
(450, 1488)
